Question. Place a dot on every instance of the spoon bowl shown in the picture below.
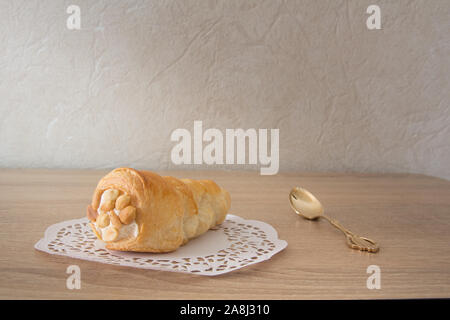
(305, 204)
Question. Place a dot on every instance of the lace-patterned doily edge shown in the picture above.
(52, 230)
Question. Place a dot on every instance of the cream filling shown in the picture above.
(126, 231)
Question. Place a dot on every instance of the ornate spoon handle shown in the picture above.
(354, 241)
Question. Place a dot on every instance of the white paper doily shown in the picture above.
(234, 244)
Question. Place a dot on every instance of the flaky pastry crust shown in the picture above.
(169, 211)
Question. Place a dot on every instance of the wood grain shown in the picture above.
(408, 214)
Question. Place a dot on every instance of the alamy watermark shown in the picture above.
(74, 279)
(229, 150)
(373, 22)
(74, 20)
(374, 280)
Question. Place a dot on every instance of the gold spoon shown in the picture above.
(307, 206)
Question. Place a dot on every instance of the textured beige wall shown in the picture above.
(345, 98)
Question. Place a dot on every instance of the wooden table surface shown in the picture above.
(408, 214)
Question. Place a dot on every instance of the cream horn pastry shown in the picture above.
(141, 211)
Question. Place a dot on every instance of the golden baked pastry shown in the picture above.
(141, 211)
